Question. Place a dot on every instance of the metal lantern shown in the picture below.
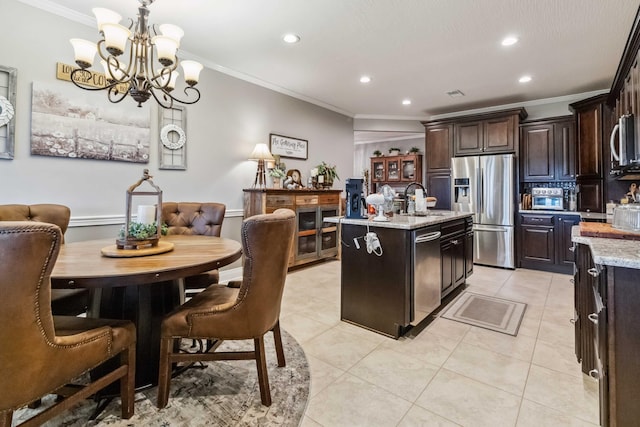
(137, 242)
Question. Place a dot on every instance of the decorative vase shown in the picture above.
(394, 152)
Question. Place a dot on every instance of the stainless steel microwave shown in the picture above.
(547, 199)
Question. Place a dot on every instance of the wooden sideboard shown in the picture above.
(315, 239)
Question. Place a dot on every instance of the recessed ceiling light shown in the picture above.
(365, 79)
(508, 41)
(524, 79)
(291, 38)
(406, 102)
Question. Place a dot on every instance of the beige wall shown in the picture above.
(232, 116)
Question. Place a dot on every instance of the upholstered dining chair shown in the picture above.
(195, 218)
(40, 353)
(226, 313)
(67, 302)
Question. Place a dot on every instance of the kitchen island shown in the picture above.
(395, 273)
(606, 321)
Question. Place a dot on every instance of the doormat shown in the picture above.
(487, 312)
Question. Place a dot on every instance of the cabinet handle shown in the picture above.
(594, 374)
(594, 318)
(573, 321)
(594, 272)
(572, 281)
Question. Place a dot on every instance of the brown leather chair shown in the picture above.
(248, 312)
(41, 353)
(67, 302)
(195, 218)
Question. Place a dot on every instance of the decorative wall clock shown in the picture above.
(7, 111)
(173, 138)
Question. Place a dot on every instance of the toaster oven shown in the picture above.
(547, 199)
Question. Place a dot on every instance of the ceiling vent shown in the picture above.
(455, 93)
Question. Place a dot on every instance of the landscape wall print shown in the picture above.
(67, 121)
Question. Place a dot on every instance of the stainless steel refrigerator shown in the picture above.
(485, 186)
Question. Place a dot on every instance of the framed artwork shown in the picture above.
(7, 111)
(288, 147)
(79, 124)
(173, 138)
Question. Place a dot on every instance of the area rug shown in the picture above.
(225, 393)
(487, 312)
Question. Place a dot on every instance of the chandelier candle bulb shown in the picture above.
(191, 72)
(85, 51)
(146, 214)
(105, 16)
(115, 38)
(166, 48)
(173, 32)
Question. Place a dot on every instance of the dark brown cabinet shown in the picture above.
(439, 186)
(593, 118)
(452, 253)
(547, 150)
(489, 134)
(439, 148)
(544, 241)
(607, 299)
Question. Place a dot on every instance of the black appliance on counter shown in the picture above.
(356, 206)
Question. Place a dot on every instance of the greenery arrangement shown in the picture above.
(414, 150)
(330, 172)
(393, 149)
(277, 173)
(141, 231)
(377, 153)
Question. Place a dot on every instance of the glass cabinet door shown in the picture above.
(393, 170)
(408, 170)
(329, 231)
(377, 168)
(307, 231)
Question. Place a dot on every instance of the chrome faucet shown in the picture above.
(406, 190)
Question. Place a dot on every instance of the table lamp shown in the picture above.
(261, 154)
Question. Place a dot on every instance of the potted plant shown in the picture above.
(277, 175)
(328, 173)
(377, 153)
(394, 151)
(414, 150)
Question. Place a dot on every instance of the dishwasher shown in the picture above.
(427, 273)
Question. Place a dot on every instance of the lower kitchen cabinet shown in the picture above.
(607, 342)
(315, 239)
(545, 242)
(452, 253)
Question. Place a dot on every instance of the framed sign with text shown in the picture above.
(288, 147)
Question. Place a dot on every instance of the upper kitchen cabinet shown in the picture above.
(439, 147)
(547, 150)
(488, 133)
(593, 123)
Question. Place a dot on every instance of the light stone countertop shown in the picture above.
(613, 252)
(403, 222)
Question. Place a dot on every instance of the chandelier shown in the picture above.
(142, 75)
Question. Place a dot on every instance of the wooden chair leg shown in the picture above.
(263, 378)
(127, 383)
(5, 418)
(164, 375)
(277, 338)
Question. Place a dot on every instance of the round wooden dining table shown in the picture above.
(141, 289)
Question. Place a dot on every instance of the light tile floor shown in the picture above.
(451, 374)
